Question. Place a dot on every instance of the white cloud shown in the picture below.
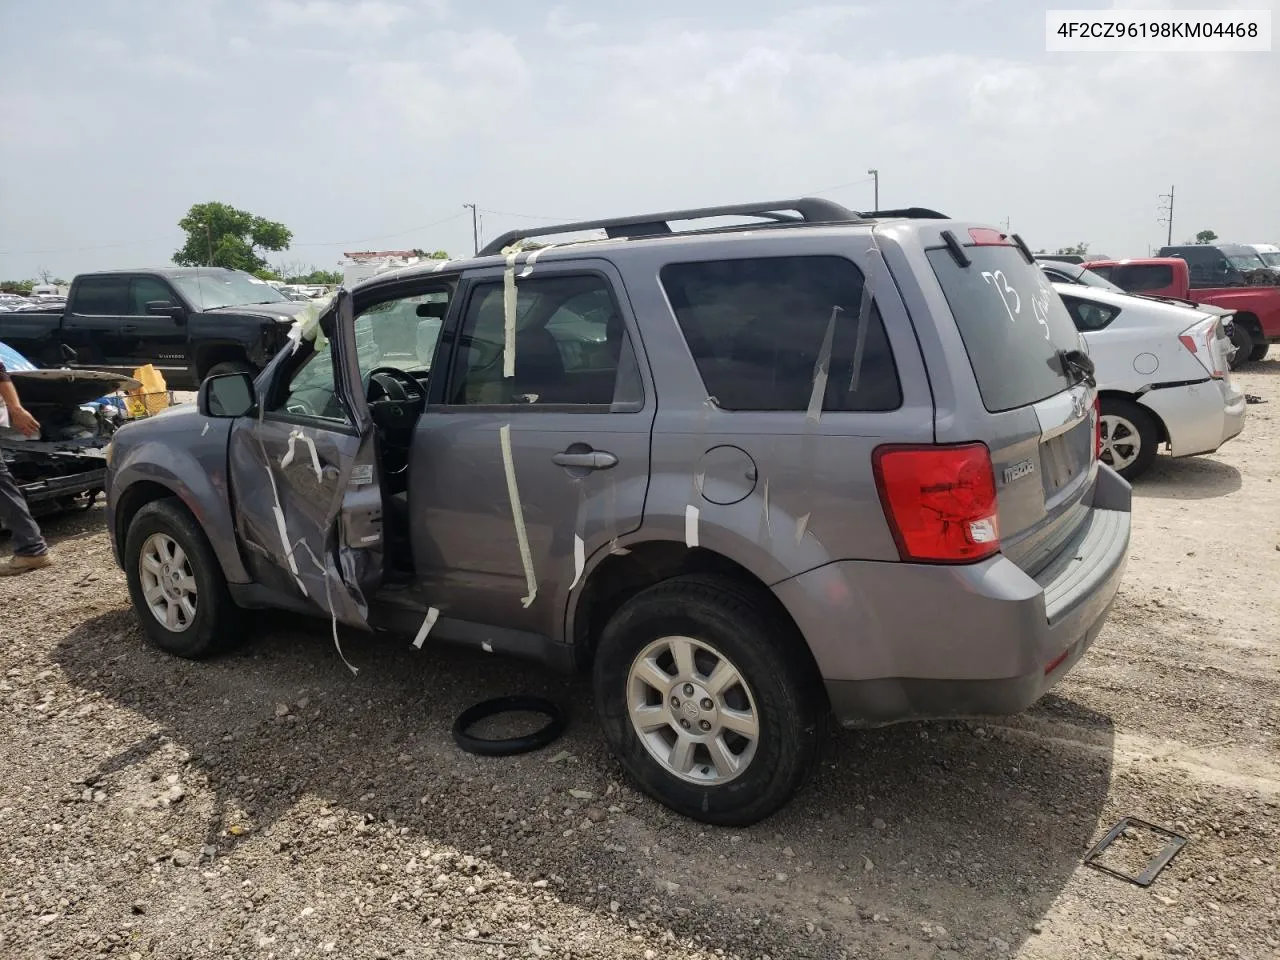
(561, 25)
(354, 15)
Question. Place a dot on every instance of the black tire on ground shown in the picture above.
(1137, 421)
(1260, 351)
(231, 366)
(217, 622)
(790, 705)
(1245, 344)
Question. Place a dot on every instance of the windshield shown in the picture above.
(208, 291)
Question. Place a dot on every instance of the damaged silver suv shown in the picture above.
(810, 462)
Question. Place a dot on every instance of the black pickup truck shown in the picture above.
(187, 321)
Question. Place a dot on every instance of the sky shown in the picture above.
(367, 124)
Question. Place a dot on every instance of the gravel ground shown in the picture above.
(269, 804)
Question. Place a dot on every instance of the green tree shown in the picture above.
(434, 255)
(21, 287)
(1079, 250)
(1206, 236)
(220, 235)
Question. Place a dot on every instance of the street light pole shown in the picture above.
(475, 226)
(876, 176)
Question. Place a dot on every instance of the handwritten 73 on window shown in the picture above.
(1012, 300)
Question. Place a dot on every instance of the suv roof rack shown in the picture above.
(800, 210)
(909, 213)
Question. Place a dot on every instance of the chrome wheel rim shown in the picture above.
(1121, 441)
(168, 582)
(693, 710)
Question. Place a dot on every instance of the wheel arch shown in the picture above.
(620, 576)
(1136, 399)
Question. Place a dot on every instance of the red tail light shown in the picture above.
(940, 501)
(1097, 428)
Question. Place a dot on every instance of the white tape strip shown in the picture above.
(206, 428)
(509, 316)
(428, 622)
(328, 597)
(486, 646)
(768, 524)
(579, 560)
(821, 368)
(864, 315)
(440, 266)
(528, 264)
(284, 540)
(294, 437)
(802, 525)
(691, 526)
(517, 514)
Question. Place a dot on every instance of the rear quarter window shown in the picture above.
(756, 328)
(1147, 276)
(1012, 323)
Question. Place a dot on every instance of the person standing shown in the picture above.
(30, 552)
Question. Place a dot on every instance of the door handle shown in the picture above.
(591, 460)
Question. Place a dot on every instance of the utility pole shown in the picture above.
(209, 240)
(475, 226)
(1168, 214)
(876, 176)
(1006, 226)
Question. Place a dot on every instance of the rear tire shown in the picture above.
(208, 621)
(1245, 344)
(1260, 351)
(748, 742)
(1129, 437)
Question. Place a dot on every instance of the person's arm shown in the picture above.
(18, 415)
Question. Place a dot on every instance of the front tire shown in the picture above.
(1260, 351)
(1129, 437)
(709, 700)
(176, 583)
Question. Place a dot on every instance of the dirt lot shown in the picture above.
(270, 804)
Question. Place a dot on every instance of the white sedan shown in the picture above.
(1162, 376)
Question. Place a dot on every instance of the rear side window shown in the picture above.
(1088, 315)
(1138, 278)
(102, 296)
(756, 328)
(1012, 323)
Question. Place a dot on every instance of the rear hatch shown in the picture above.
(1039, 413)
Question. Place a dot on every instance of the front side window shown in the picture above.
(144, 290)
(102, 296)
(756, 329)
(312, 390)
(571, 347)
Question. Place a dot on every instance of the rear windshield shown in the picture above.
(1012, 323)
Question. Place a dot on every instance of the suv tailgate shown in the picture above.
(1039, 418)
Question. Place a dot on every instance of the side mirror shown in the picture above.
(165, 308)
(226, 395)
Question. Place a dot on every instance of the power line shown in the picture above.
(398, 233)
(530, 216)
(105, 246)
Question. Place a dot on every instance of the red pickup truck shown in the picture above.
(1257, 319)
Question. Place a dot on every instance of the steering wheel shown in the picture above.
(395, 399)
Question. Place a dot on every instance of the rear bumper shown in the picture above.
(1198, 417)
(899, 641)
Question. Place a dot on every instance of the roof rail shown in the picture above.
(909, 213)
(800, 210)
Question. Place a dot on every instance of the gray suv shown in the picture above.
(810, 462)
